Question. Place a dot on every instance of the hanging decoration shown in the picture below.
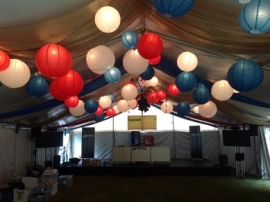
(243, 1)
(208, 109)
(183, 109)
(122, 106)
(105, 101)
(112, 75)
(173, 90)
(196, 109)
(37, 86)
(201, 94)
(173, 8)
(148, 73)
(78, 110)
(4, 60)
(130, 39)
(143, 105)
(99, 117)
(129, 91)
(53, 60)
(161, 95)
(72, 101)
(166, 107)
(150, 46)
(100, 58)
(56, 93)
(113, 97)
(99, 110)
(221, 90)
(107, 19)
(132, 104)
(16, 75)
(116, 109)
(151, 97)
(155, 60)
(245, 75)
(254, 17)
(152, 82)
(134, 63)
(185, 81)
(187, 61)
(91, 106)
(110, 112)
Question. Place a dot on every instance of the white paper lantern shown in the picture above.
(100, 58)
(105, 101)
(16, 75)
(221, 90)
(132, 104)
(187, 61)
(116, 109)
(152, 82)
(208, 109)
(78, 110)
(129, 91)
(107, 19)
(122, 105)
(134, 63)
(167, 107)
(196, 109)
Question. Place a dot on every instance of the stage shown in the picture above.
(191, 167)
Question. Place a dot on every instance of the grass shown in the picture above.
(163, 188)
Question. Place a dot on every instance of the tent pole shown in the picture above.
(174, 149)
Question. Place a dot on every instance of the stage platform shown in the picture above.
(175, 167)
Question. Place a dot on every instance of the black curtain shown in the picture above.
(88, 142)
(195, 142)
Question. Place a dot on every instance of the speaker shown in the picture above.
(223, 160)
(253, 130)
(56, 161)
(239, 157)
(35, 131)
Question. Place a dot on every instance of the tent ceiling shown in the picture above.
(210, 30)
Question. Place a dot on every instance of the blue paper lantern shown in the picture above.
(129, 39)
(183, 109)
(245, 75)
(112, 75)
(37, 86)
(185, 81)
(113, 97)
(201, 94)
(254, 18)
(173, 8)
(148, 73)
(91, 106)
(99, 118)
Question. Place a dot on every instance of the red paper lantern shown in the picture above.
(99, 111)
(173, 90)
(110, 112)
(4, 60)
(151, 97)
(155, 60)
(71, 84)
(161, 95)
(53, 61)
(72, 101)
(56, 93)
(150, 46)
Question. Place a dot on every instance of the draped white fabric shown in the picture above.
(265, 160)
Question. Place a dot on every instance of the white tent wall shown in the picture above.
(15, 152)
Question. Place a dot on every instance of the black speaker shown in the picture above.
(253, 130)
(35, 131)
(223, 160)
(56, 161)
(239, 157)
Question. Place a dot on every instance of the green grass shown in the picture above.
(163, 188)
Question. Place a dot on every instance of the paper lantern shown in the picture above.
(116, 109)
(132, 104)
(173, 8)
(153, 82)
(254, 17)
(148, 73)
(4, 60)
(78, 110)
(107, 19)
(161, 95)
(129, 39)
(155, 60)
(150, 46)
(72, 101)
(70, 84)
(99, 110)
(142, 82)
(129, 92)
(245, 75)
(16, 75)
(53, 60)
(243, 1)
(221, 90)
(134, 63)
(113, 97)
(99, 117)
(105, 101)
(37, 86)
(201, 94)
(151, 98)
(110, 112)
(100, 58)
(122, 106)
(208, 109)
(112, 75)
(91, 106)
(183, 109)
(173, 90)
(166, 107)
(196, 109)
(58, 95)
(187, 61)
(185, 81)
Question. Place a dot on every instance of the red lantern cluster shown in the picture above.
(4, 60)
(155, 60)
(151, 98)
(56, 93)
(110, 112)
(53, 61)
(99, 111)
(72, 101)
(161, 95)
(173, 90)
(150, 46)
